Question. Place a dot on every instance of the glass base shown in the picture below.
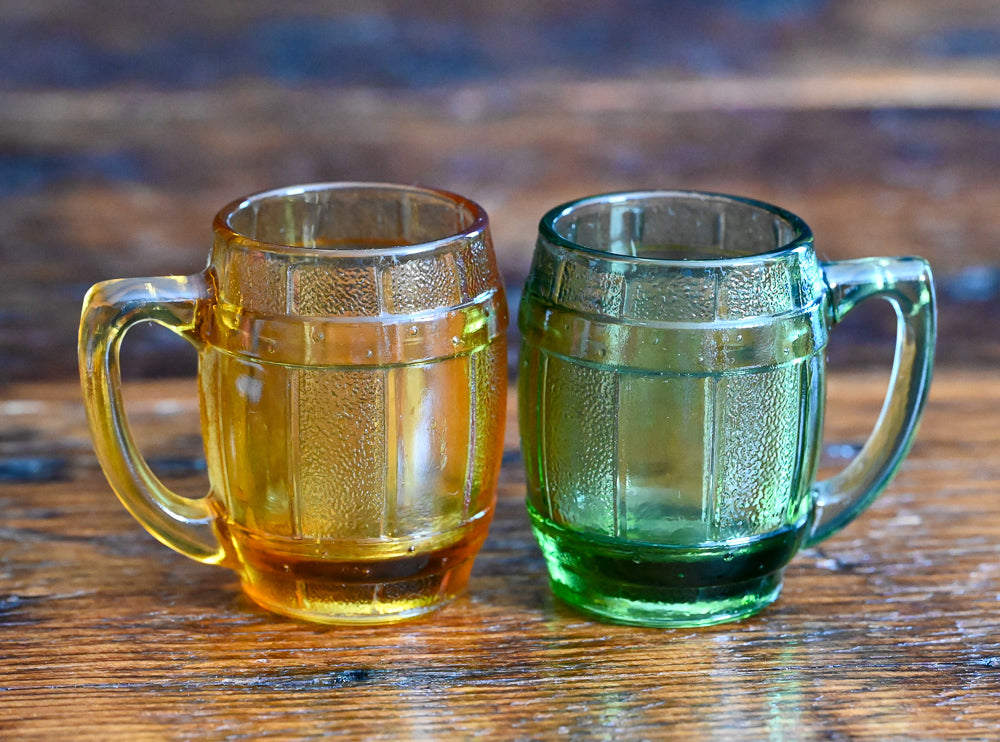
(708, 607)
(347, 614)
(647, 584)
(316, 581)
(325, 602)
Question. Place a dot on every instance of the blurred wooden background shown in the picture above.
(125, 126)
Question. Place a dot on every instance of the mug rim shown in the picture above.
(546, 226)
(222, 227)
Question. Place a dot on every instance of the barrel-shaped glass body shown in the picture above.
(671, 388)
(353, 378)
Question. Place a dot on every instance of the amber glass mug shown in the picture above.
(352, 375)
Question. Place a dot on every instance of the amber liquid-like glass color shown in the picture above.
(352, 372)
(359, 494)
(317, 579)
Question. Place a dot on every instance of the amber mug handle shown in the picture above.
(907, 284)
(110, 308)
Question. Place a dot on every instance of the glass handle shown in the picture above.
(109, 310)
(907, 284)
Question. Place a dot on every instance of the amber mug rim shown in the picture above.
(476, 222)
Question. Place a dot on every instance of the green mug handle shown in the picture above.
(110, 308)
(907, 284)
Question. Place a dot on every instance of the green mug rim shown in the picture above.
(546, 227)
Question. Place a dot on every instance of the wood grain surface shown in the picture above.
(890, 630)
(125, 126)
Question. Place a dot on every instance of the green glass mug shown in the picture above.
(353, 376)
(671, 397)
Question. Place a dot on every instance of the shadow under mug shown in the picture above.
(352, 374)
(671, 399)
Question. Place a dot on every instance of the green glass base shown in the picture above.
(665, 586)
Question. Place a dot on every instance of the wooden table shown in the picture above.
(124, 127)
(890, 630)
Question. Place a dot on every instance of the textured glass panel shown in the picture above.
(341, 448)
(755, 291)
(346, 290)
(255, 282)
(476, 268)
(590, 291)
(581, 444)
(758, 449)
(672, 295)
(424, 283)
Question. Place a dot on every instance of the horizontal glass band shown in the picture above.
(674, 347)
(386, 340)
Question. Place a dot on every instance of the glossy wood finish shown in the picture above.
(125, 126)
(889, 630)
